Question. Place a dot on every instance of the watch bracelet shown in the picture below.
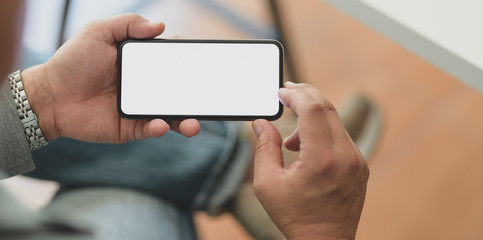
(29, 119)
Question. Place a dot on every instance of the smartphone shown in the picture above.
(176, 79)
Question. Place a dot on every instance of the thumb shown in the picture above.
(128, 25)
(268, 155)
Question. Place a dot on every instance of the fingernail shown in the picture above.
(156, 23)
(282, 91)
(289, 83)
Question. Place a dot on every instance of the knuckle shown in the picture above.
(356, 163)
(266, 145)
(129, 15)
(320, 106)
(330, 162)
(261, 146)
(327, 163)
(304, 85)
(350, 162)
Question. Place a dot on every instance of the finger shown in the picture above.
(315, 93)
(189, 127)
(318, 120)
(128, 25)
(157, 128)
(292, 142)
(268, 155)
(315, 109)
(149, 129)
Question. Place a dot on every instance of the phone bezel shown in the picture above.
(200, 117)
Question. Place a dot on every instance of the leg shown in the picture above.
(200, 173)
(173, 168)
(115, 213)
(17, 222)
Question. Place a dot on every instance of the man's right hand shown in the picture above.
(321, 195)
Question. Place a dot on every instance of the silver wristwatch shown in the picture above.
(29, 120)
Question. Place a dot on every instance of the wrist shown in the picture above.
(38, 92)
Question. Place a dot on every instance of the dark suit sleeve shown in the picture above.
(15, 157)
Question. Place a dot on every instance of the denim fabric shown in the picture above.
(183, 174)
(122, 214)
(18, 222)
(172, 167)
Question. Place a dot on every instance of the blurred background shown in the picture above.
(427, 169)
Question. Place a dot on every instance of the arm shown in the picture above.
(321, 195)
(14, 151)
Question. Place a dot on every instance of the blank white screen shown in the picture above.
(213, 79)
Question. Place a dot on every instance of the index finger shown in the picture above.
(319, 125)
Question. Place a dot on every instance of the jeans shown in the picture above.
(145, 189)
